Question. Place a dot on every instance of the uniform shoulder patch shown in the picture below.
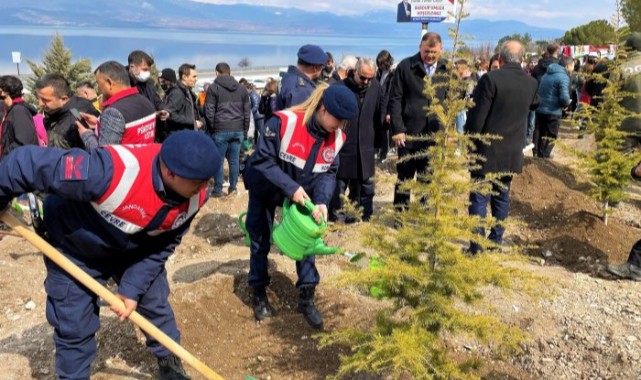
(75, 167)
(269, 133)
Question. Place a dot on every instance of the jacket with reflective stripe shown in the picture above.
(296, 143)
(139, 115)
(274, 171)
(131, 203)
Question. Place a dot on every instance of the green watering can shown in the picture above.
(298, 235)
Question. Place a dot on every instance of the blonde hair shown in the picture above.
(310, 105)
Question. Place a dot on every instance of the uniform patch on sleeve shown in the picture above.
(269, 133)
(75, 167)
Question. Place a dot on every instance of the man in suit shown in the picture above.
(357, 163)
(407, 108)
(503, 99)
(404, 11)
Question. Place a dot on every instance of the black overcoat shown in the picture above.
(407, 104)
(502, 100)
(357, 155)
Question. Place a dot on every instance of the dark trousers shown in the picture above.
(385, 143)
(500, 205)
(73, 311)
(529, 131)
(635, 254)
(259, 125)
(259, 223)
(361, 191)
(406, 171)
(546, 131)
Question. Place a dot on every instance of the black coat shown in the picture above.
(148, 90)
(62, 131)
(181, 103)
(357, 155)
(502, 101)
(18, 128)
(542, 67)
(407, 104)
(386, 88)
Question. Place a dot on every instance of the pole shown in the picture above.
(76, 272)
(18, 67)
(424, 26)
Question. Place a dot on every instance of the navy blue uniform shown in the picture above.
(269, 180)
(73, 179)
(295, 88)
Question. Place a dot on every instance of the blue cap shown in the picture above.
(341, 102)
(191, 155)
(312, 54)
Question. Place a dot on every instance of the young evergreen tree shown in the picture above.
(434, 286)
(608, 166)
(57, 59)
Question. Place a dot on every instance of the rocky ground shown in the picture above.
(588, 329)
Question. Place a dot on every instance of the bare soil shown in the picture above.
(589, 329)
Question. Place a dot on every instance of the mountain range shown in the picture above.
(178, 31)
(196, 16)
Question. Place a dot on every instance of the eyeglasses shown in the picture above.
(364, 79)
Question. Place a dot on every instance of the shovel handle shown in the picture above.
(74, 271)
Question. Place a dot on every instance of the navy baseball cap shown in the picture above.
(312, 54)
(340, 101)
(191, 155)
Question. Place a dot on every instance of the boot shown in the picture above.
(308, 308)
(625, 270)
(262, 309)
(171, 368)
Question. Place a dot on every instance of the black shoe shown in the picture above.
(350, 220)
(262, 309)
(170, 368)
(308, 308)
(216, 195)
(625, 270)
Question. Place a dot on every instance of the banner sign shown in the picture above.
(425, 11)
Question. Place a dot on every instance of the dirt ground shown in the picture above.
(588, 330)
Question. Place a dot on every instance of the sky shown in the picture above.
(561, 14)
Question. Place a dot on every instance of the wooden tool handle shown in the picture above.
(104, 293)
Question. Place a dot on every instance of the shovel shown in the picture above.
(102, 292)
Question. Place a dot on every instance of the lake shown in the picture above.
(171, 48)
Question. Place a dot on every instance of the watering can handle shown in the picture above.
(241, 222)
(308, 204)
(312, 207)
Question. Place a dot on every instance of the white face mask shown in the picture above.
(143, 76)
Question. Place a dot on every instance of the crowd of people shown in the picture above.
(126, 170)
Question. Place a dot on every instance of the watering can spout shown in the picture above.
(319, 248)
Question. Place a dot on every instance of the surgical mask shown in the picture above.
(143, 76)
